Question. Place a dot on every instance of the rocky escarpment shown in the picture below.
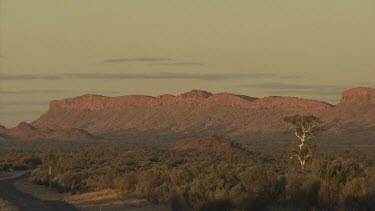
(195, 97)
(192, 112)
(200, 113)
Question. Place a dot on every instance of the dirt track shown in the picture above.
(26, 202)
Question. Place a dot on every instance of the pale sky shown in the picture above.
(53, 49)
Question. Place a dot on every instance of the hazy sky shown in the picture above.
(53, 49)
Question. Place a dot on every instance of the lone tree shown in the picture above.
(305, 128)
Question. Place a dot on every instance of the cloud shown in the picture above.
(365, 83)
(180, 64)
(138, 76)
(312, 92)
(100, 92)
(139, 59)
(30, 77)
(291, 88)
(55, 91)
(28, 112)
(37, 91)
(25, 103)
(151, 60)
(207, 76)
(276, 85)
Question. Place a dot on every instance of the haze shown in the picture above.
(53, 49)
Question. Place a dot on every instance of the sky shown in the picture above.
(54, 49)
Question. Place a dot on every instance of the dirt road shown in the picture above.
(26, 202)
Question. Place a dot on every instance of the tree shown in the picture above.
(50, 160)
(305, 128)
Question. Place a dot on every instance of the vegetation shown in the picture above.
(19, 162)
(205, 175)
(209, 180)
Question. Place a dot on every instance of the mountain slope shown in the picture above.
(28, 132)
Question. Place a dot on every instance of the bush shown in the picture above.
(40, 176)
(302, 191)
(342, 171)
(128, 182)
(329, 194)
(69, 181)
(357, 194)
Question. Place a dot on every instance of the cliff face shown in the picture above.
(199, 113)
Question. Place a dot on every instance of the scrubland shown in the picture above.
(207, 174)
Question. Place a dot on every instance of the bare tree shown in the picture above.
(305, 128)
